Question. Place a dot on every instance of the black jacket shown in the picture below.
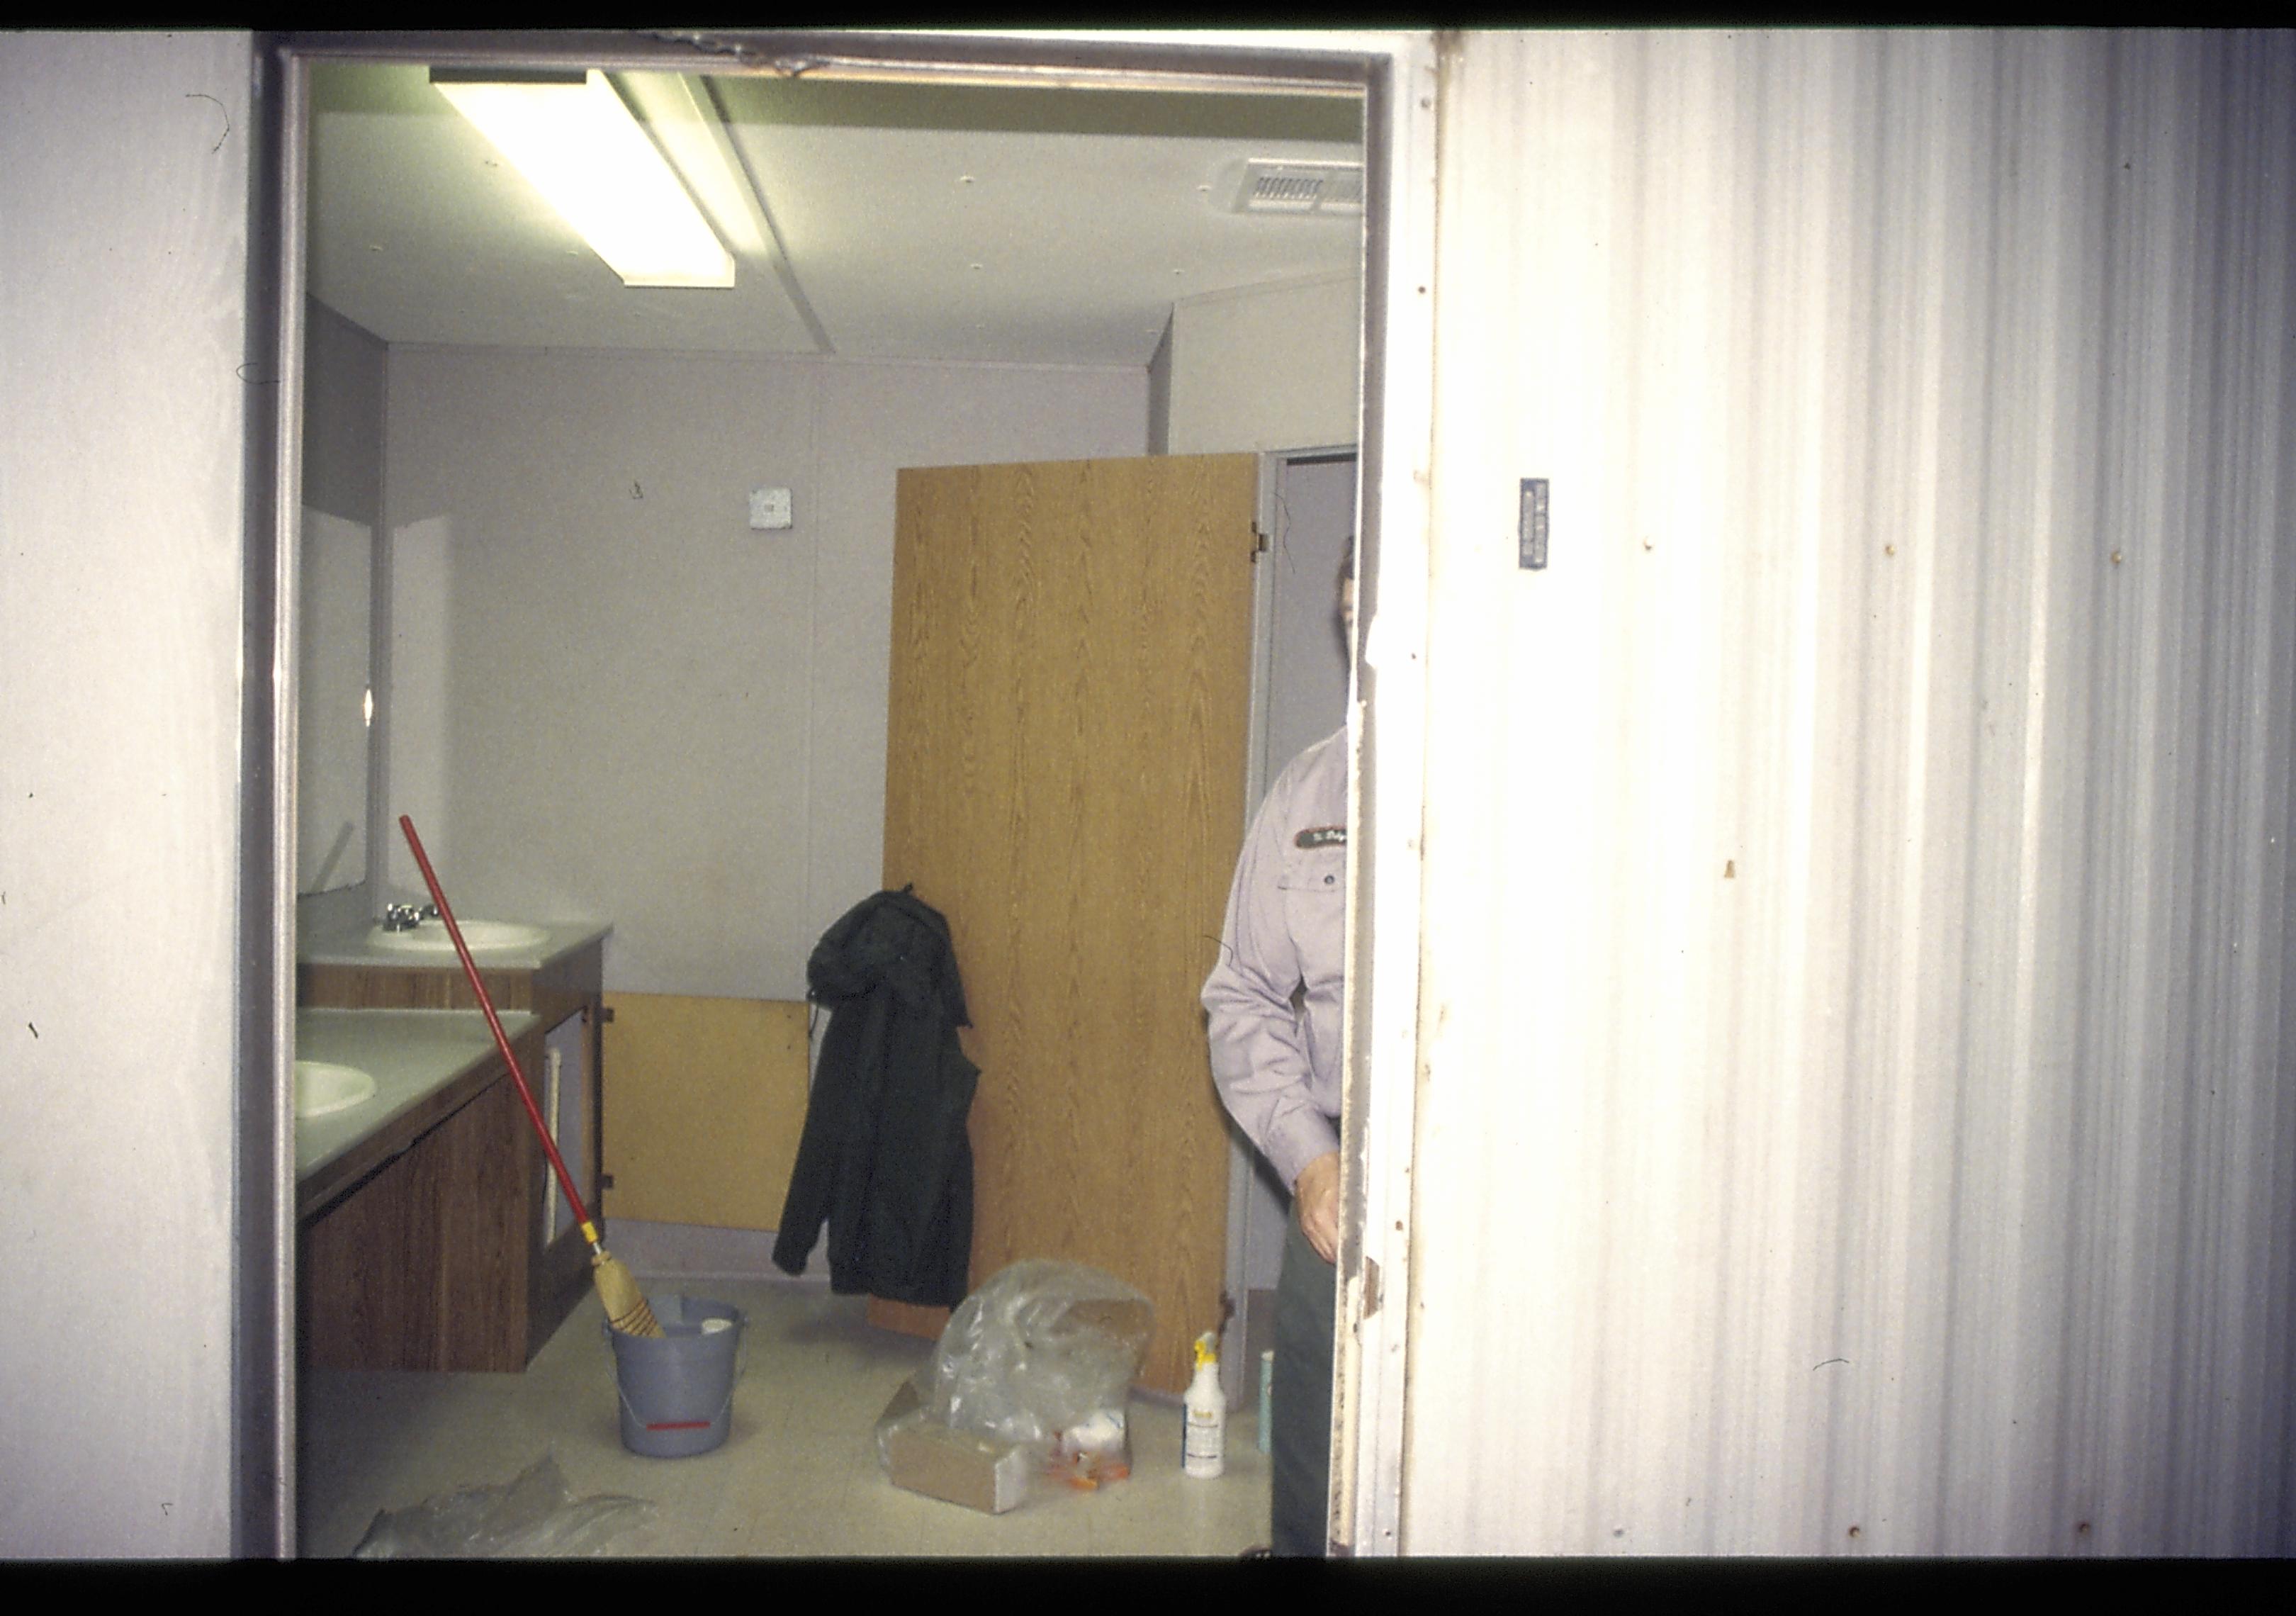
(884, 1155)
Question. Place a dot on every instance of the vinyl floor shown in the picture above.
(799, 1476)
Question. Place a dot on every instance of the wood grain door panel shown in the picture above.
(1064, 782)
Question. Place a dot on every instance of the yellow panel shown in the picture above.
(705, 1099)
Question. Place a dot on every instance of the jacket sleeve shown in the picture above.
(813, 1177)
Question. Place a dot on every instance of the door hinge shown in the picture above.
(1259, 540)
(1371, 1287)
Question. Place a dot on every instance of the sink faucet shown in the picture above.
(405, 917)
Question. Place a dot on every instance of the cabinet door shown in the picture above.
(706, 1107)
(1064, 782)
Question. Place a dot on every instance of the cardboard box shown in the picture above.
(928, 1458)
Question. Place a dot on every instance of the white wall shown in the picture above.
(123, 268)
(1267, 367)
(638, 708)
(1853, 1115)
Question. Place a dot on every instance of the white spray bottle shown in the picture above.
(1203, 1451)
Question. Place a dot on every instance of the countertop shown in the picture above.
(355, 946)
(415, 1056)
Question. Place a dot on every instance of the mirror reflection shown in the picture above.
(331, 770)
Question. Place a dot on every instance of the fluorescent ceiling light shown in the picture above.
(577, 143)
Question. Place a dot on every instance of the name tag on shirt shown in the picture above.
(1322, 836)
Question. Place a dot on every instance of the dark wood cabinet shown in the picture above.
(428, 1244)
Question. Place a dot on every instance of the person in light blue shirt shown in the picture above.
(1274, 1000)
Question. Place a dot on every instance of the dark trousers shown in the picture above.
(1299, 1444)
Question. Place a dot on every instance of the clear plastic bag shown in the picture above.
(1042, 1356)
(534, 1517)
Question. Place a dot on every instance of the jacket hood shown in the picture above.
(893, 940)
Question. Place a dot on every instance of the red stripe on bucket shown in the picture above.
(681, 1425)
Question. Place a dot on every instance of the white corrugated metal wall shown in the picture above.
(1854, 1109)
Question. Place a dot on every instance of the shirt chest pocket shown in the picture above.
(1313, 870)
(1314, 882)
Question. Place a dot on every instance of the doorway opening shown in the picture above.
(414, 563)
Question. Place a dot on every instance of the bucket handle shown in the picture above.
(673, 1424)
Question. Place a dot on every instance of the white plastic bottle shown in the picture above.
(1203, 1450)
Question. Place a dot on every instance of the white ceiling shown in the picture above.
(920, 222)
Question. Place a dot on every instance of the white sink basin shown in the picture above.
(482, 936)
(322, 1086)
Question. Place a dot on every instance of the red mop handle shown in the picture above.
(501, 1042)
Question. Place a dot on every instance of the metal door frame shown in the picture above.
(1396, 73)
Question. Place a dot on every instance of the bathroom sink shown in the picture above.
(482, 935)
(322, 1086)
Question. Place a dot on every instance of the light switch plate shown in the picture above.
(769, 508)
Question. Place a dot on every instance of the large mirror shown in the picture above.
(337, 706)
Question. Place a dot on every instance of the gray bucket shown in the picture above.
(677, 1389)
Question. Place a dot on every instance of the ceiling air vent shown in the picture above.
(1270, 187)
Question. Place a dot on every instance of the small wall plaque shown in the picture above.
(1532, 525)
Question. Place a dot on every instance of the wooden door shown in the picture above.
(1064, 781)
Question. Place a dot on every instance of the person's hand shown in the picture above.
(1316, 1197)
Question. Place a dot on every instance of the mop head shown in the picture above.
(627, 1308)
